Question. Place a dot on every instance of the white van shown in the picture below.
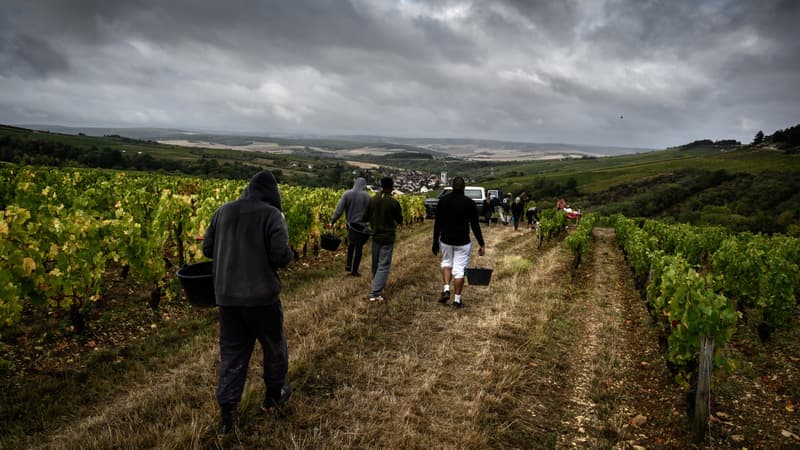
(476, 193)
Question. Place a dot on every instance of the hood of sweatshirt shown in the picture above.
(359, 184)
(263, 187)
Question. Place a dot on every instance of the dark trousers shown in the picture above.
(239, 329)
(355, 249)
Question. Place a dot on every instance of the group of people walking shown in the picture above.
(376, 216)
(248, 241)
(456, 215)
(510, 211)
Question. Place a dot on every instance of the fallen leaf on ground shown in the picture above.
(722, 415)
(737, 438)
(638, 421)
(789, 434)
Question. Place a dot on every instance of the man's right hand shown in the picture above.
(481, 251)
(435, 248)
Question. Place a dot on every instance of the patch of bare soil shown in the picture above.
(754, 404)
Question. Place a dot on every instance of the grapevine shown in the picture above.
(62, 230)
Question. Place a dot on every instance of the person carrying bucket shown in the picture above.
(455, 215)
(352, 204)
(248, 241)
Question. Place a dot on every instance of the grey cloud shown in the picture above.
(290, 32)
(28, 56)
(537, 70)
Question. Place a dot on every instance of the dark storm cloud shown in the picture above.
(514, 69)
(29, 56)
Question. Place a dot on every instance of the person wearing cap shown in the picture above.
(455, 215)
(384, 213)
(249, 241)
(352, 204)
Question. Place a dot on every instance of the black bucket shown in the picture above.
(198, 283)
(330, 242)
(358, 233)
(479, 276)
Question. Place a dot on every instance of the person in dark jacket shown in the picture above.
(516, 211)
(498, 208)
(455, 215)
(487, 211)
(506, 205)
(532, 214)
(352, 204)
(384, 214)
(248, 241)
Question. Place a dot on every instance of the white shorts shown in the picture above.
(456, 257)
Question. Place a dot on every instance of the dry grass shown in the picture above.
(409, 373)
(544, 357)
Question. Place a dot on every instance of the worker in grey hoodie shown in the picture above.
(249, 242)
(352, 204)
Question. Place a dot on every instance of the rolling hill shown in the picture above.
(745, 187)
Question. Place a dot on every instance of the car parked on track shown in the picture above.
(476, 193)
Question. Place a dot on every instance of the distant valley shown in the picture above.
(356, 146)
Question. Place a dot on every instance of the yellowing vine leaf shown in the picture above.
(28, 265)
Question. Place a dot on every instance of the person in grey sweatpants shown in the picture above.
(249, 242)
(384, 214)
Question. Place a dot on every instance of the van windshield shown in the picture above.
(474, 194)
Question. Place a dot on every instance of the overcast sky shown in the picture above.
(607, 72)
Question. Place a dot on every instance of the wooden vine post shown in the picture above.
(702, 402)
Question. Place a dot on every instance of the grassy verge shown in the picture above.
(40, 395)
(41, 399)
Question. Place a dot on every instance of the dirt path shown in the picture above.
(617, 363)
(539, 359)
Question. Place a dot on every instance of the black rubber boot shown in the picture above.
(274, 399)
(227, 422)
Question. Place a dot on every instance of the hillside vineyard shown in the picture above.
(61, 228)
